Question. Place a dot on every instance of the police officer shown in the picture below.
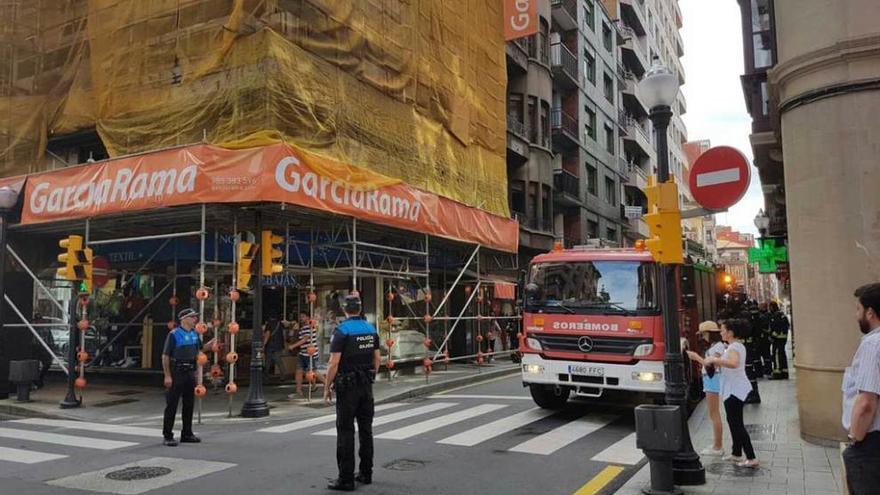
(354, 362)
(779, 326)
(179, 364)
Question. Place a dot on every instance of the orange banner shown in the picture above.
(520, 18)
(277, 173)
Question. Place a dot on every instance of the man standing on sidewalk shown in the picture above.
(861, 390)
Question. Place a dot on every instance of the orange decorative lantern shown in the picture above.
(428, 297)
(201, 328)
(171, 325)
(479, 358)
(480, 317)
(82, 324)
(428, 342)
(390, 319)
(215, 347)
(389, 364)
(216, 371)
(311, 350)
(233, 328)
(173, 300)
(519, 335)
(446, 356)
(80, 383)
(202, 294)
(389, 296)
(234, 295)
(467, 289)
(82, 356)
(427, 363)
(311, 376)
(480, 298)
(313, 323)
(312, 297)
(83, 299)
(200, 390)
(216, 323)
(202, 359)
(479, 338)
(428, 318)
(232, 357)
(231, 388)
(389, 343)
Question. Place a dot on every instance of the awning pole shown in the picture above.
(354, 246)
(146, 238)
(200, 372)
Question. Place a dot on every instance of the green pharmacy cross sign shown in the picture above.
(767, 255)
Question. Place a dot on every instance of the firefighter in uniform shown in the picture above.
(754, 369)
(179, 355)
(779, 326)
(354, 362)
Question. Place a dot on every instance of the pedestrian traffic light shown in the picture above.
(664, 222)
(244, 267)
(77, 262)
(270, 254)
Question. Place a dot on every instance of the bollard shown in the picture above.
(22, 374)
(659, 435)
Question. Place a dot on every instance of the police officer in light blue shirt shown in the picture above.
(861, 394)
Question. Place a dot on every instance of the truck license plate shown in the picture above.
(577, 369)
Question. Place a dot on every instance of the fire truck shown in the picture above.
(593, 323)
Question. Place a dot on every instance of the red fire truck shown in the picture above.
(592, 323)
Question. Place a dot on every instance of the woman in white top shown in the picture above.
(735, 387)
(711, 382)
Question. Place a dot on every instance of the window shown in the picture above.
(594, 287)
(517, 197)
(763, 50)
(589, 16)
(760, 15)
(545, 124)
(589, 67)
(610, 191)
(533, 205)
(592, 180)
(611, 234)
(592, 229)
(533, 119)
(762, 40)
(609, 139)
(765, 99)
(544, 43)
(608, 85)
(607, 38)
(546, 208)
(590, 124)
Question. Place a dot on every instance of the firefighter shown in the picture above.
(779, 326)
(354, 362)
(754, 368)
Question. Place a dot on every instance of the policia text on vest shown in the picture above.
(354, 362)
(182, 347)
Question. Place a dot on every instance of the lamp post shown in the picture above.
(659, 88)
(762, 222)
(8, 198)
(255, 406)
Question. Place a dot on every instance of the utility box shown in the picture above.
(658, 428)
(22, 374)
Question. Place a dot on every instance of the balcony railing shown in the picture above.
(570, 8)
(532, 223)
(559, 120)
(517, 127)
(561, 57)
(567, 183)
(632, 123)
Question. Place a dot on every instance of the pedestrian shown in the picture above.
(179, 355)
(354, 362)
(306, 337)
(779, 326)
(861, 394)
(735, 387)
(39, 351)
(274, 345)
(711, 334)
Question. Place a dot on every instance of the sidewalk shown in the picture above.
(130, 404)
(789, 465)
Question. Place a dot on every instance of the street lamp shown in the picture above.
(659, 88)
(8, 198)
(762, 222)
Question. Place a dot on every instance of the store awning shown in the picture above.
(277, 173)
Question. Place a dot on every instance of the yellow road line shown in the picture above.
(599, 481)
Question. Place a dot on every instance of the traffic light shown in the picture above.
(87, 268)
(77, 262)
(247, 251)
(270, 255)
(664, 222)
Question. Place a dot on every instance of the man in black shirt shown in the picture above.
(182, 346)
(354, 362)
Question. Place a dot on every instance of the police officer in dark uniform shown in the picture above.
(182, 346)
(354, 362)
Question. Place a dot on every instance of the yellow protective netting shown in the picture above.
(412, 90)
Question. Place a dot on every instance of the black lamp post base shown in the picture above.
(688, 473)
(70, 402)
(256, 409)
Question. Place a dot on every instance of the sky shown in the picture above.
(713, 63)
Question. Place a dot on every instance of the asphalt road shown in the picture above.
(483, 439)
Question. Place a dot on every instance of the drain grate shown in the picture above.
(138, 473)
(405, 465)
(728, 469)
(111, 403)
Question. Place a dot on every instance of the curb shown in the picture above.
(25, 412)
(432, 388)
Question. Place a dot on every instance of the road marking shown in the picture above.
(59, 439)
(390, 418)
(300, 425)
(435, 423)
(491, 430)
(85, 426)
(622, 452)
(561, 436)
(599, 482)
(484, 382)
(22, 456)
(718, 177)
(484, 397)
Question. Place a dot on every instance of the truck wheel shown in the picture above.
(548, 397)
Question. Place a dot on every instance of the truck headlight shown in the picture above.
(534, 344)
(647, 376)
(643, 350)
(533, 369)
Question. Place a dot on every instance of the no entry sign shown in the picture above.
(719, 178)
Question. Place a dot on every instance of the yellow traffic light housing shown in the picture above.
(664, 222)
(71, 256)
(247, 251)
(85, 270)
(270, 254)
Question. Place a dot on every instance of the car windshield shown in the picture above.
(593, 287)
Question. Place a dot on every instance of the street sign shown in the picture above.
(719, 178)
(633, 212)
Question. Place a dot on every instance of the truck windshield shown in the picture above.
(610, 287)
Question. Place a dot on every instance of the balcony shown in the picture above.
(638, 229)
(637, 135)
(517, 141)
(632, 96)
(564, 14)
(533, 224)
(564, 65)
(567, 188)
(633, 14)
(623, 169)
(633, 50)
(517, 56)
(565, 129)
(637, 176)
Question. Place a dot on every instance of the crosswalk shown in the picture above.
(450, 420)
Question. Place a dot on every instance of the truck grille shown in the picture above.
(622, 346)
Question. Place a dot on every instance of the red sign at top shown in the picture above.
(719, 178)
(520, 18)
